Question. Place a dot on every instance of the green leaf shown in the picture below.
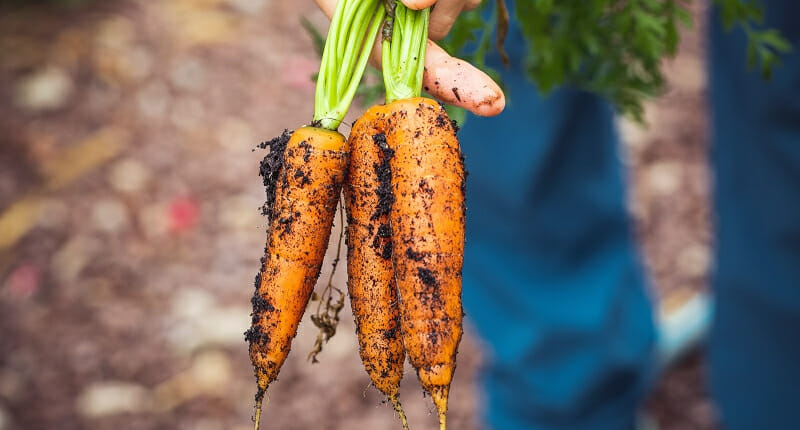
(611, 47)
(775, 41)
(316, 37)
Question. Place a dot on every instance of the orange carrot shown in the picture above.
(427, 219)
(304, 175)
(425, 203)
(373, 292)
(427, 215)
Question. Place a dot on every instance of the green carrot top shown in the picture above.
(353, 29)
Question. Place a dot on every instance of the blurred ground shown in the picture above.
(130, 232)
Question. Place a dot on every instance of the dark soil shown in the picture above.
(384, 173)
(271, 166)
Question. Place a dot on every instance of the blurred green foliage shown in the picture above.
(610, 47)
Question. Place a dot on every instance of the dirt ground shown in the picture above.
(130, 230)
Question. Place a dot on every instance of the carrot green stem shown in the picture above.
(354, 26)
(403, 53)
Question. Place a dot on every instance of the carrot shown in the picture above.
(371, 285)
(406, 183)
(308, 174)
(428, 237)
(303, 173)
(405, 202)
(405, 207)
(426, 219)
(427, 215)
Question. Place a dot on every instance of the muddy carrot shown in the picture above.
(407, 152)
(371, 285)
(427, 214)
(303, 174)
(427, 219)
(304, 171)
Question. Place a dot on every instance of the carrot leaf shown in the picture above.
(353, 29)
(614, 48)
(405, 38)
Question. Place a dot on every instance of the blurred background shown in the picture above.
(130, 229)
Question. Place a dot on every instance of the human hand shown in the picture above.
(448, 79)
(443, 15)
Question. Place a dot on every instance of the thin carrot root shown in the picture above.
(399, 409)
(326, 317)
(439, 396)
(257, 416)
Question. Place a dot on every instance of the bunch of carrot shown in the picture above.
(403, 178)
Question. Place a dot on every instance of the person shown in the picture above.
(552, 277)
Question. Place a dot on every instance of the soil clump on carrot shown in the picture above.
(271, 167)
(384, 172)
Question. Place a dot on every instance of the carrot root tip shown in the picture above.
(399, 409)
(257, 415)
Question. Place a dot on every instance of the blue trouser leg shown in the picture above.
(755, 340)
(552, 281)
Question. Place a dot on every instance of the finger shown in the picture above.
(442, 18)
(327, 6)
(456, 82)
(419, 4)
(471, 4)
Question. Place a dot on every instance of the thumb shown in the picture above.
(418, 4)
(328, 6)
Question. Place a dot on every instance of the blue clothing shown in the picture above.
(552, 280)
(755, 338)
